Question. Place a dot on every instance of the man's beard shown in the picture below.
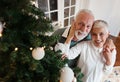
(80, 35)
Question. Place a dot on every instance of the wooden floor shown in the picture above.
(116, 41)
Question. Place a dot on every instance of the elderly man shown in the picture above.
(83, 23)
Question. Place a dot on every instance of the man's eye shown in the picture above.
(88, 27)
(81, 24)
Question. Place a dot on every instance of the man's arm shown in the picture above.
(68, 40)
(108, 48)
(71, 34)
(110, 57)
(66, 46)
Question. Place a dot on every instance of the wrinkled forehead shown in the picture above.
(85, 18)
(85, 15)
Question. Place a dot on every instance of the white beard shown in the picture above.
(80, 36)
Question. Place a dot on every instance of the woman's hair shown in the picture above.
(100, 24)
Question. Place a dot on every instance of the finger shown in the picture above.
(111, 43)
(63, 56)
(71, 33)
(72, 26)
(107, 49)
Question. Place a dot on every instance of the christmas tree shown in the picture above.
(23, 30)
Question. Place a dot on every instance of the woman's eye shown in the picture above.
(101, 34)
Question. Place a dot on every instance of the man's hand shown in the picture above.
(71, 33)
(109, 43)
(64, 56)
(107, 51)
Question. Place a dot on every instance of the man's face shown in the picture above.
(83, 25)
(99, 36)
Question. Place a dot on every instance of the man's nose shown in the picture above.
(83, 28)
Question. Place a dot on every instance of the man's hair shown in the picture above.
(82, 11)
(100, 24)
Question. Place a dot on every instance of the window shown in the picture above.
(61, 12)
(50, 8)
(69, 11)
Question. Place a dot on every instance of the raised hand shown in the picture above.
(109, 43)
(107, 51)
(71, 33)
(63, 56)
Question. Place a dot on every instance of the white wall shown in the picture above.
(108, 10)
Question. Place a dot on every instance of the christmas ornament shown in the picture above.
(67, 75)
(74, 79)
(38, 53)
(1, 27)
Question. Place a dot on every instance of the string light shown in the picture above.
(31, 48)
(0, 35)
(16, 49)
(45, 17)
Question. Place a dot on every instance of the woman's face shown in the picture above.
(99, 36)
